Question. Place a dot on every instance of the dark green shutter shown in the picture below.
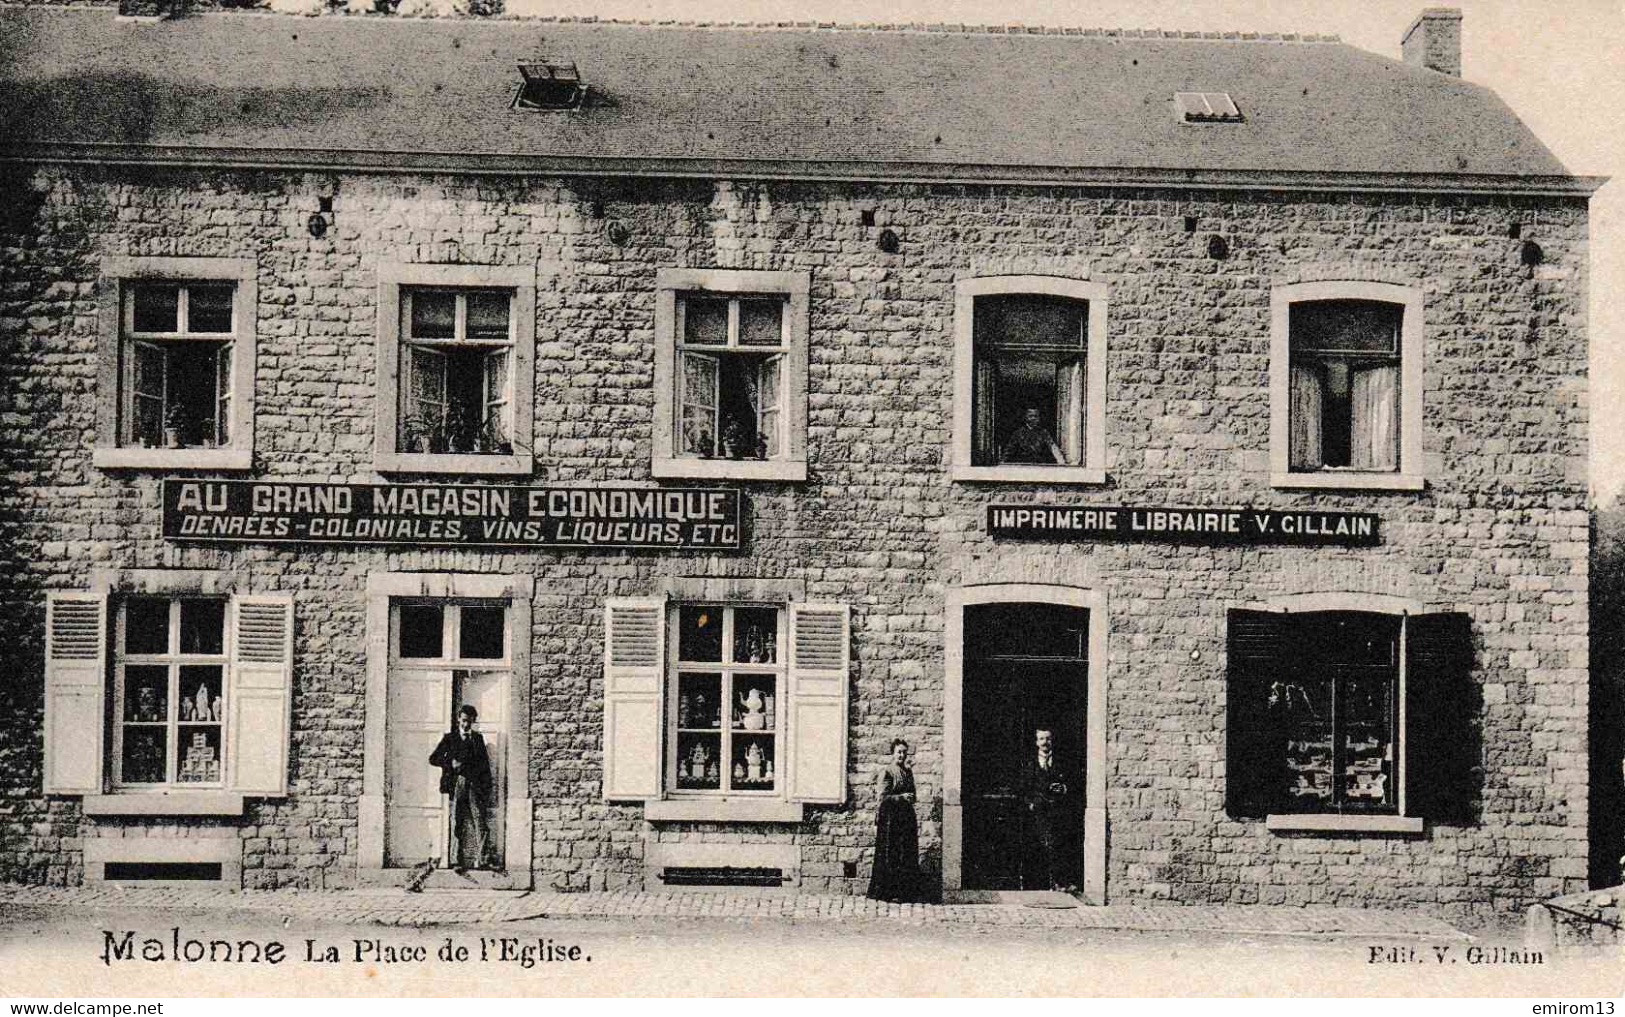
(1443, 737)
(1254, 746)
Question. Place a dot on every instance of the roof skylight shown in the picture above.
(550, 83)
(1207, 108)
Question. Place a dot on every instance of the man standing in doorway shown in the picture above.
(465, 775)
(1047, 792)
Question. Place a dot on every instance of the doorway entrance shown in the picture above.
(443, 655)
(1026, 669)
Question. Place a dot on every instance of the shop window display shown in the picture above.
(170, 687)
(725, 709)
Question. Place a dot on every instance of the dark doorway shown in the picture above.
(1026, 669)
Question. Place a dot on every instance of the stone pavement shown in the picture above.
(394, 906)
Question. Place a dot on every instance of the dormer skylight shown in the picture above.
(550, 83)
(1207, 108)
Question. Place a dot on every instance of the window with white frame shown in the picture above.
(456, 345)
(178, 372)
(457, 358)
(731, 374)
(1029, 380)
(198, 689)
(730, 355)
(178, 363)
(169, 688)
(1346, 386)
(719, 701)
(723, 707)
(1351, 712)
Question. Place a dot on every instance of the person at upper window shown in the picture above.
(1031, 442)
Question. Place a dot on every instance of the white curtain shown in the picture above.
(1069, 410)
(984, 449)
(1374, 395)
(1305, 441)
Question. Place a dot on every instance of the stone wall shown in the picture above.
(1500, 532)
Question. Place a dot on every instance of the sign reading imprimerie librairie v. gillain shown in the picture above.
(450, 514)
(1183, 525)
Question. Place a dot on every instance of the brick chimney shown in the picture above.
(1434, 41)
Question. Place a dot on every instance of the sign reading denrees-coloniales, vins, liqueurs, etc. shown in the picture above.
(1124, 524)
(451, 515)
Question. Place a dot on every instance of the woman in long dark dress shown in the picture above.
(896, 875)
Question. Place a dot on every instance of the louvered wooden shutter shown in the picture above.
(634, 653)
(1442, 741)
(75, 676)
(260, 701)
(1255, 749)
(820, 661)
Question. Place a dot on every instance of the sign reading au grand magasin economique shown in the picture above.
(1125, 524)
(450, 515)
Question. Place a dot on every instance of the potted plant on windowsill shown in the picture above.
(736, 443)
(417, 435)
(174, 424)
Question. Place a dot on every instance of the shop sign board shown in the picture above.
(451, 515)
(1158, 524)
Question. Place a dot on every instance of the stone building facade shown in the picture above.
(1304, 712)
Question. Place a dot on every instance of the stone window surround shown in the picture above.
(165, 582)
(1093, 470)
(382, 587)
(747, 591)
(1347, 823)
(1095, 717)
(116, 274)
(795, 286)
(1410, 476)
(386, 435)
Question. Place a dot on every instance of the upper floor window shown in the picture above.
(178, 363)
(1346, 380)
(458, 361)
(730, 375)
(456, 345)
(1030, 380)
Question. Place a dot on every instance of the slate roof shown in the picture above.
(797, 101)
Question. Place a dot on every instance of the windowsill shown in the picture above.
(1330, 823)
(785, 470)
(454, 463)
(1030, 474)
(722, 810)
(173, 458)
(1334, 480)
(159, 803)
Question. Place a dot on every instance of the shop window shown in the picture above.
(723, 706)
(179, 354)
(1351, 713)
(458, 342)
(198, 688)
(731, 375)
(1030, 365)
(743, 702)
(1348, 400)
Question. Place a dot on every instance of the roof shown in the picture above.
(798, 101)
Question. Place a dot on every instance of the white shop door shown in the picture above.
(487, 692)
(415, 821)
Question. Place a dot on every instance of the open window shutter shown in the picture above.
(1254, 749)
(260, 700)
(820, 660)
(698, 410)
(75, 672)
(1442, 740)
(634, 651)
